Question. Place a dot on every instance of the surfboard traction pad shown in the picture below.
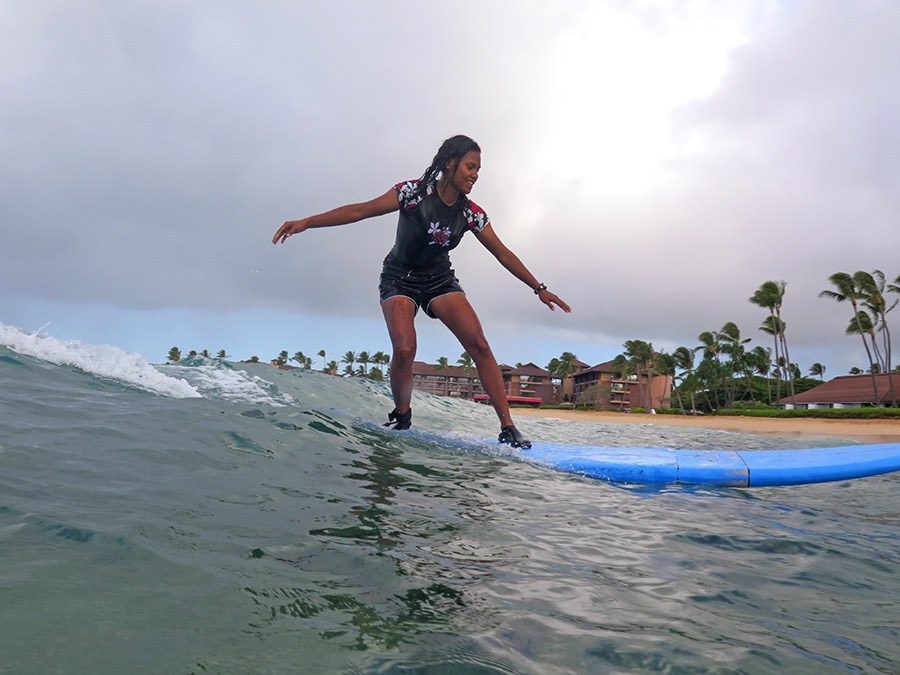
(727, 468)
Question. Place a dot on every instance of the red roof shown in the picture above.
(605, 367)
(530, 369)
(849, 389)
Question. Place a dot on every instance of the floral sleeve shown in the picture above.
(406, 194)
(476, 217)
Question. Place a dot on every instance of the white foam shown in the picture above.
(215, 379)
(102, 360)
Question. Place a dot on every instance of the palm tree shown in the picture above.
(563, 367)
(300, 358)
(770, 295)
(817, 370)
(363, 359)
(640, 359)
(761, 359)
(710, 368)
(254, 359)
(222, 354)
(709, 343)
(379, 358)
(770, 326)
(442, 363)
(322, 354)
(873, 287)
(848, 291)
(553, 367)
(205, 354)
(568, 365)
(332, 367)
(665, 365)
(684, 361)
(732, 344)
(862, 324)
(282, 358)
(174, 355)
(349, 359)
(894, 287)
(465, 360)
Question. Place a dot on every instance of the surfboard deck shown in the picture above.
(729, 468)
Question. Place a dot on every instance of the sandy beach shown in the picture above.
(865, 431)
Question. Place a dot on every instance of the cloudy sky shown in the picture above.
(652, 162)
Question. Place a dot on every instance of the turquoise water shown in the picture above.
(229, 518)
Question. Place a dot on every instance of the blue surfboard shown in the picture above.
(745, 468)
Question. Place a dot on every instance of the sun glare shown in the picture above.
(614, 80)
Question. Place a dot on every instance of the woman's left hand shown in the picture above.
(550, 299)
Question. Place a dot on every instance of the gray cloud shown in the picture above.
(152, 149)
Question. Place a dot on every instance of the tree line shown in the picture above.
(728, 370)
(355, 364)
(175, 355)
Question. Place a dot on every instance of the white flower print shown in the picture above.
(439, 235)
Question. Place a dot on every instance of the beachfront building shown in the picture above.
(529, 384)
(453, 381)
(526, 384)
(847, 391)
(603, 388)
(532, 382)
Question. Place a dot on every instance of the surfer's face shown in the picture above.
(465, 172)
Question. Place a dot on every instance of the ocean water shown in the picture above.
(215, 517)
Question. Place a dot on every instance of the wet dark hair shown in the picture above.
(454, 147)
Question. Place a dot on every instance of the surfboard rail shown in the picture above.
(727, 468)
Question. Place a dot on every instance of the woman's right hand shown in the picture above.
(290, 227)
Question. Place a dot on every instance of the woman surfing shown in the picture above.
(435, 213)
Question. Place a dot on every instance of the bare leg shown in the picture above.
(399, 314)
(457, 314)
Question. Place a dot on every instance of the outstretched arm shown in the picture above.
(517, 268)
(342, 215)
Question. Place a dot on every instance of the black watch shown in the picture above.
(542, 287)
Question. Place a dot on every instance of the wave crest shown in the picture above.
(101, 360)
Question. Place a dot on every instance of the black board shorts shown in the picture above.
(420, 289)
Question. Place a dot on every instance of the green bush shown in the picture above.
(638, 410)
(753, 405)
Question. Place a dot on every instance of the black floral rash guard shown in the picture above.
(428, 230)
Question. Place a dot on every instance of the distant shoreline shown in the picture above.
(864, 431)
